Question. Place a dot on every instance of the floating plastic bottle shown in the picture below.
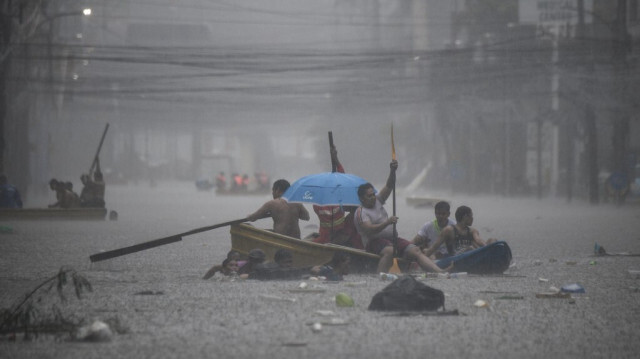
(388, 276)
(572, 288)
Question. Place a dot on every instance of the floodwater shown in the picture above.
(190, 317)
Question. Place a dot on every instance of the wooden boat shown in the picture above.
(53, 213)
(245, 237)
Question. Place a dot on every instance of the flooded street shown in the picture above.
(525, 111)
(189, 317)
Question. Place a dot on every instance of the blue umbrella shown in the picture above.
(329, 188)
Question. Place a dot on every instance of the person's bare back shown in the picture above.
(285, 215)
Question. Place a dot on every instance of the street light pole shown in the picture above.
(53, 113)
(18, 28)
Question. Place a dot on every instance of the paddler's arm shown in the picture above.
(303, 214)
(420, 241)
(391, 182)
(371, 229)
(262, 212)
(334, 159)
(442, 238)
(211, 272)
(477, 241)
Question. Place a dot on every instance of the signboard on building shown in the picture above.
(553, 12)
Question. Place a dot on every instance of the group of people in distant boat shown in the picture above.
(369, 226)
(91, 195)
(242, 183)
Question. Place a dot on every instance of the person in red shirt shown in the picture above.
(237, 182)
(337, 222)
(245, 182)
(221, 181)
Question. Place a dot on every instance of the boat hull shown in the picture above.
(53, 213)
(245, 237)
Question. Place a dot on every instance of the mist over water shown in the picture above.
(525, 111)
(204, 87)
(548, 228)
(548, 232)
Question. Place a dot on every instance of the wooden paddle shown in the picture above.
(334, 165)
(334, 168)
(95, 158)
(158, 242)
(394, 267)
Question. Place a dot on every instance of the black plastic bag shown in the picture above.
(407, 294)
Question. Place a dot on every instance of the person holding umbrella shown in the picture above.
(336, 226)
(377, 230)
(285, 215)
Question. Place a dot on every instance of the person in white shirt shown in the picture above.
(429, 232)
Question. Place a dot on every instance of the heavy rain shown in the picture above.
(524, 110)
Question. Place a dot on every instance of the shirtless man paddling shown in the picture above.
(285, 215)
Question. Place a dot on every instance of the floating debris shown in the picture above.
(336, 321)
(355, 284)
(572, 288)
(149, 292)
(425, 313)
(277, 299)
(98, 331)
(553, 295)
(308, 290)
(6, 229)
(294, 344)
(325, 313)
(344, 300)
(316, 327)
(330, 322)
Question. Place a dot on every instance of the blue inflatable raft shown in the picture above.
(494, 258)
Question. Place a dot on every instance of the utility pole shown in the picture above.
(5, 44)
(591, 131)
(621, 41)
